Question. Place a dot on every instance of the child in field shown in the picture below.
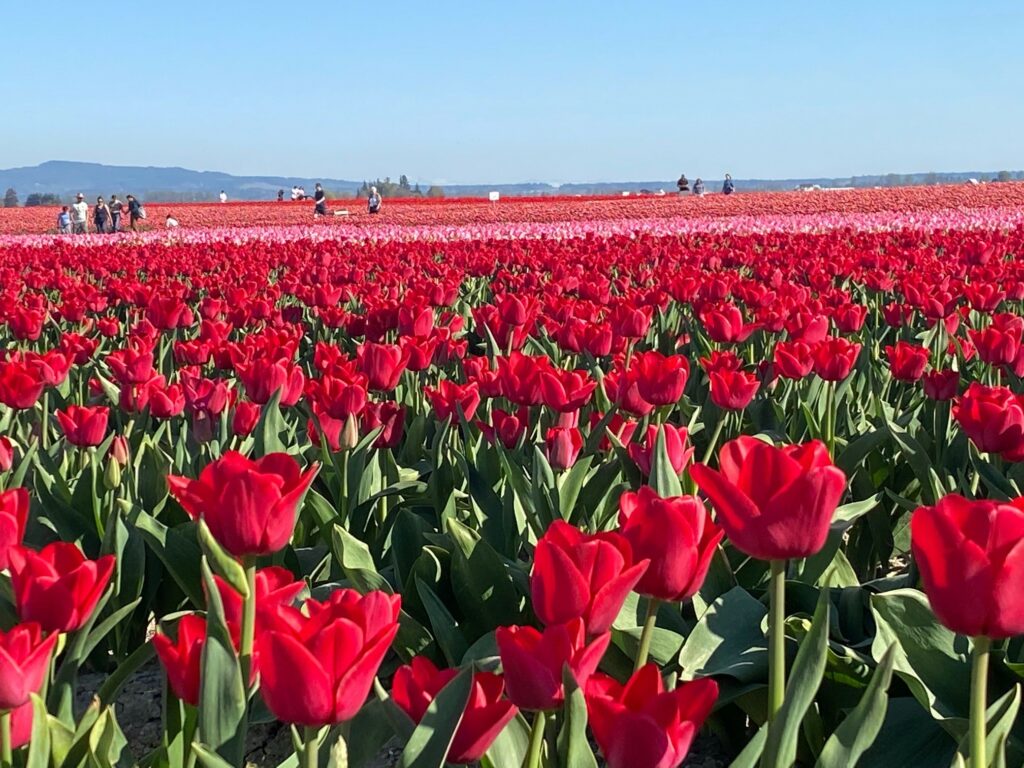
(64, 221)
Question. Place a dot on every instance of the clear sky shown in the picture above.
(555, 90)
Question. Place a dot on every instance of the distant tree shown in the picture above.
(403, 181)
(49, 198)
(435, 191)
(416, 190)
(10, 198)
(34, 200)
(1003, 176)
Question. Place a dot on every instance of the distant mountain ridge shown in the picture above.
(66, 178)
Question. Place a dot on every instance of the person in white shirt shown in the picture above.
(170, 222)
(80, 216)
(223, 196)
(295, 192)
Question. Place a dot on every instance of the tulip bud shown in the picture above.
(112, 474)
(349, 434)
(6, 454)
(119, 450)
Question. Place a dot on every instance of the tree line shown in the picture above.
(388, 188)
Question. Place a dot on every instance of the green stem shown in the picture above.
(309, 750)
(979, 684)
(830, 418)
(540, 722)
(644, 651)
(248, 622)
(6, 752)
(714, 439)
(777, 638)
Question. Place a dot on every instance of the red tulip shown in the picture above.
(562, 446)
(449, 397)
(383, 364)
(850, 317)
(533, 661)
(677, 447)
(941, 384)
(907, 361)
(262, 378)
(24, 663)
(181, 658)
(576, 575)
(834, 358)
(245, 418)
(507, 427)
(641, 725)
(14, 505)
(318, 669)
(20, 385)
(676, 535)
(250, 506)
(661, 380)
(417, 684)
(390, 417)
(793, 359)
(971, 556)
(6, 454)
(774, 503)
(83, 425)
(993, 418)
(1000, 342)
(724, 324)
(733, 390)
(566, 391)
(57, 586)
(166, 400)
(623, 390)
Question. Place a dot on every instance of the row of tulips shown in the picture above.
(505, 500)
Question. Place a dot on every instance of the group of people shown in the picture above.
(728, 186)
(373, 202)
(106, 216)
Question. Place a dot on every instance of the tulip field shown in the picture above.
(623, 482)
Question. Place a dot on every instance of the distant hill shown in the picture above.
(66, 178)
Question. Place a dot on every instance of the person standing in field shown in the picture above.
(64, 221)
(101, 215)
(320, 198)
(80, 216)
(134, 212)
(374, 201)
(223, 196)
(116, 209)
(698, 187)
(727, 186)
(683, 184)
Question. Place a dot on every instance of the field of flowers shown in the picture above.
(536, 483)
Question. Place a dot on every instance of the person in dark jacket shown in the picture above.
(683, 184)
(134, 212)
(320, 198)
(727, 186)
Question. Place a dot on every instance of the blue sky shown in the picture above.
(492, 92)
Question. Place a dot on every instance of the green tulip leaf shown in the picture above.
(801, 689)
(664, 479)
(857, 732)
(222, 692)
(429, 744)
(573, 748)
